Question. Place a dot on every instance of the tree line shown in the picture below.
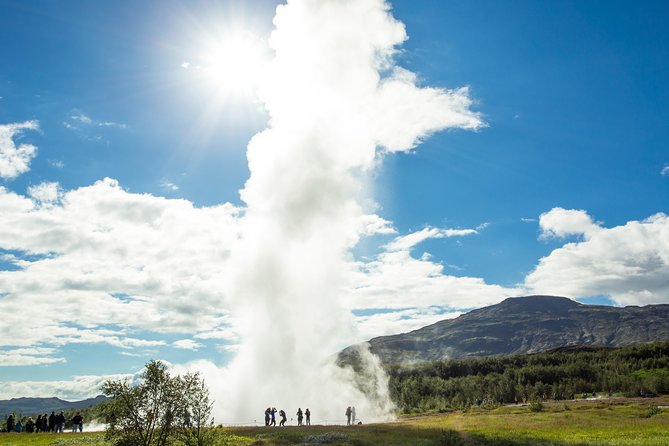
(568, 373)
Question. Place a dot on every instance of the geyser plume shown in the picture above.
(335, 101)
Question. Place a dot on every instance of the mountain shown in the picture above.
(36, 406)
(522, 325)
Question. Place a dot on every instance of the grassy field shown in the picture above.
(602, 422)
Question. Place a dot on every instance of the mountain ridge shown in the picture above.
(521, 325)
(34, 406)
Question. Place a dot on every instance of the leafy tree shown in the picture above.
(197, 429)
(157, 411)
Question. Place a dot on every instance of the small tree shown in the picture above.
(198, 422)
(157, 410)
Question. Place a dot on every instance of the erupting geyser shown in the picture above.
(335, 101)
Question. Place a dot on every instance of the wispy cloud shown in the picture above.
(28, 356)
(80, 119)
(15, 160)
(89, 128)
(665, 170)
(186, 344)
(406, 242)
(168, 185)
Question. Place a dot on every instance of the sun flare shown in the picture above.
(231, 64)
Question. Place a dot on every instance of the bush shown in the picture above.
(536, 406)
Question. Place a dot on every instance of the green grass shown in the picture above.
(607, 422)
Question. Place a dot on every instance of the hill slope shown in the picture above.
(523, 325)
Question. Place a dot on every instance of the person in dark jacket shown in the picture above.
(60, 422)
(282, 414)
(77, 423)
(307, 417)
(52, 422)
(30, 425)
(10, 423)
(45, 423)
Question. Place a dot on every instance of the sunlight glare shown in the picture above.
(232, 65)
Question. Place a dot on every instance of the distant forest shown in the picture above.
(568, 373)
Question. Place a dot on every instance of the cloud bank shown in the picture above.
(629, 263)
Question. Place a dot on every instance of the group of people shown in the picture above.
(45, 423)
(303, 418)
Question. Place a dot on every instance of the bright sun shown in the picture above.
(231, 64)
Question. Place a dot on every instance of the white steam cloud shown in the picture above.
(335, 102)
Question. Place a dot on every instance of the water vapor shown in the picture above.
(336, 102)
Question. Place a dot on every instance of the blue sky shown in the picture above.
(562, 191)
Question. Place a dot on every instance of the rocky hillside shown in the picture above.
(523, 325)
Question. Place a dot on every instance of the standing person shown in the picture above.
(267, 412)
(10, 423)
(30, 425)
(282, 414)
(352, 414)
(45, 423)
(52, 421)
(307, 416)
(38, 424)
(273, 413)
(348, 416)
(60, 422)
(78, 423)
(18, 427)
(299, 416)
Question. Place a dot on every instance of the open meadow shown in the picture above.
(617, 421)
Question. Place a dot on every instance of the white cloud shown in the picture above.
(665, 170)
(164, 256)
(185, 65)
(79, 120)
(58, 164)
(28, 356)
(45, 193)
(629, 263)
(407, 242)
(560, 223)
(77, 388)
(401, 321)
(168, 185)
(186, 344)
(15, 160)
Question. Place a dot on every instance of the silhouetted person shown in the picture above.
(18, 427)
(30, 425)
(60, 422)
(307, 416)
(267, 412)
(45, 423)
(52, 422)
(299, 416)
(352, 414)
(348, 416)
(38, 424)
(282, 414)
(78, 423)
(273, 413)
(10, 423)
